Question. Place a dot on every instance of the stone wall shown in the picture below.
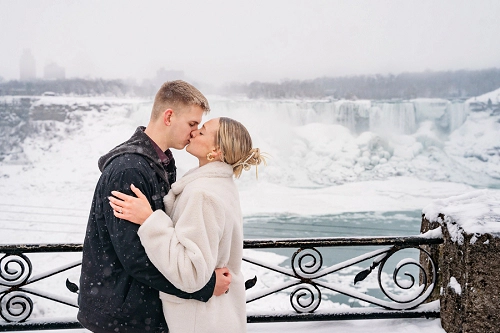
(469, 271)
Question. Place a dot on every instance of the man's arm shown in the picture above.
(127, 245)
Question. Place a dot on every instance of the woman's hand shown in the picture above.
(126, 207)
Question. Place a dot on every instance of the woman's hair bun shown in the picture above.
(254, 157)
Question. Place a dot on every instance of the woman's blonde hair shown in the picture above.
(235, 143)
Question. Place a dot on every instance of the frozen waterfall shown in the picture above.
(400, 117)
(325, 142)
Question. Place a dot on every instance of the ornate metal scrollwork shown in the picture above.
(303, 268)
(15, 269)
(15, 306)
(307, 272)
(305, 298)
(426, 284)
(15, 276)
(409, 300)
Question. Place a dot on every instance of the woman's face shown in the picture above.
(202, 141)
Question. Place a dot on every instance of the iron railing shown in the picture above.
(303, 278)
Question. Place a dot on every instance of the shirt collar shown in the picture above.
(164, 156)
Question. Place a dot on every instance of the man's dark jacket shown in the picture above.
(118, 284)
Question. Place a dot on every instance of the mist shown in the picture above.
(218, 42)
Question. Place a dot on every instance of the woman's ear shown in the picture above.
(167, 117)
(217, 154)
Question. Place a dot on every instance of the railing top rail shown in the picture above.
(31, 248)
(255, 243)
(339, 241)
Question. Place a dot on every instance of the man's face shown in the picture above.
(184, 120)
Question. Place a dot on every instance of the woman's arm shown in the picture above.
(187, 254)
(129, 250)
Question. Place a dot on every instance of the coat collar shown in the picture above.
(210, 170)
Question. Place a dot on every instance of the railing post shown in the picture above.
(435, 251)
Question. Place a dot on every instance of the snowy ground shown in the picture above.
(45, 196)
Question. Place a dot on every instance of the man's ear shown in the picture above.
(167, 115)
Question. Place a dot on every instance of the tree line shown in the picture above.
(459, 84)
(78, 86)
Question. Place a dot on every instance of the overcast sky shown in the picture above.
(268, 40)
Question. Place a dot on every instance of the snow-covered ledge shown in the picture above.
(469, 260)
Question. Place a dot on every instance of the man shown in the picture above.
(119, 286)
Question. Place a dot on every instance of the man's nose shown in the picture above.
(193, 134)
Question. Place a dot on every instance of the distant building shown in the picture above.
(163, 75)
(53, 71)
(27, 66)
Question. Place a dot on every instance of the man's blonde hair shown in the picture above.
(235, 143)
(177, 93)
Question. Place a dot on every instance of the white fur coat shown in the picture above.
(202, 231)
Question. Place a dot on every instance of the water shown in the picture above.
(396, 223)
(399, 223)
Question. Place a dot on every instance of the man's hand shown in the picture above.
(222, 281)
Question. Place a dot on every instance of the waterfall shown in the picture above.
(457, 113)
(398, 118)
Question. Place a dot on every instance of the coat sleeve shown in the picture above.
(187, 253)
(129, 249)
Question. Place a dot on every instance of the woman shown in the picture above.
(201, 229)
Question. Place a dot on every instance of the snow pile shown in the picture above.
(455, 286)
(476, 144)
(392, 194)
(476, 212)
(494, 96)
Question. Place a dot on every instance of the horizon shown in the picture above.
(145, 80)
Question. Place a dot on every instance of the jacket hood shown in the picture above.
(139, 143)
